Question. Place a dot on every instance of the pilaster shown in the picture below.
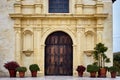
(99, 7)
(42, 59)
(18, 45)
(78, 45)
(38, 8)
(99, 34)
(75, 60)
(99, 30)
(18, 7)
(38, 55)
(79, 1)
(79, 8)
(37, 40)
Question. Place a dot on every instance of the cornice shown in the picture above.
(77, 16)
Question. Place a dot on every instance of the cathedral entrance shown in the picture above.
(58, 54)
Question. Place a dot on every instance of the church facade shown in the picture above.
(58, 35)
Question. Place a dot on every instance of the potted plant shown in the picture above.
(34, 68)
(80, 69)
(11, 67)
(92, 69)
(101, 58)
(112, 70)
(21, 71)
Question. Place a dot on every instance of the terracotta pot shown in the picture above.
(21, 74)
(102, 72)
(113, 74)
(80, 74)
(92, 74)
(34, 73)
(12, 73)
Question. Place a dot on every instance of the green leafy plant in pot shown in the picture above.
(113, 70)
(101, 58)
(92, 69)
(34, 68)
(21, 71)
(11, 67)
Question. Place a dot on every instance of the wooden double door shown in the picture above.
(58, 54)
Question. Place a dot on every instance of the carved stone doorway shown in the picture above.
(58, 54)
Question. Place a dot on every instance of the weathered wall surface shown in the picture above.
(6, 34)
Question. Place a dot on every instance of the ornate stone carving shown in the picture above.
(28, 32)
(88, 52)
(28, 52)
(89, 32)
(34, 24)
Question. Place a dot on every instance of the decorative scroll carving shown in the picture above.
(89, 32)
(28, 32)
(88, 52)
(28, 52)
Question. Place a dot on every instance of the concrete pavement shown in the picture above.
(58, 78)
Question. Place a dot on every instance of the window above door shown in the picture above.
(58, 6)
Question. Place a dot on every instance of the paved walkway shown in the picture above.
(58, 78)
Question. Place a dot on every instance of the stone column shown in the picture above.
(18, 7)
(43, 59)
(38, 1)
(38, 55)
(38, 8)
(18, 40)
(78, 45)
(18, 45)
(79, 7)
(79, 1)
(76, 53)
(99, 30)
(37, 46)
(35, 42)
(75, 60)
(99, 35)
(99, 7)
(80, 39)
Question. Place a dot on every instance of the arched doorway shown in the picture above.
(58, 54)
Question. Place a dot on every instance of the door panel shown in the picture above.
(58, 54)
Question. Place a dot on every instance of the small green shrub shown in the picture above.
(21, 69)
(112, 69)
(34, 67)
(92, 68)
